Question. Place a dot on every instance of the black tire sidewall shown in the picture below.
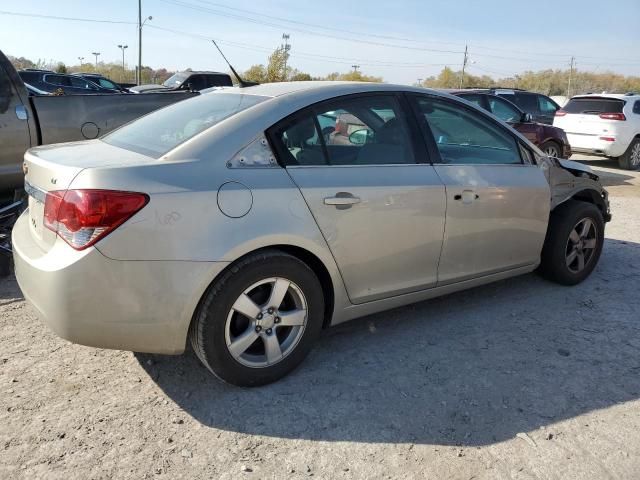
(625, 159)
(215, 309)
(562, 222)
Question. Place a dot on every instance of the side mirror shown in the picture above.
(360, 137)
(526, 118)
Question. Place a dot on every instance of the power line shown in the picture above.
(301, 30)
(72, 19)
(312, 56)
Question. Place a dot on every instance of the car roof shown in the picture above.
(204, 72)
(335, 88)
(619, 96)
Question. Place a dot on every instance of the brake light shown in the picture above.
(82, 217)
(608, 139)
(613, 116)
(560, 113)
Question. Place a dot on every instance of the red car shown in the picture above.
(551, 140)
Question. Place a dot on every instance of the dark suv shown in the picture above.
(51, 82)
(551, 140)
(188, 80)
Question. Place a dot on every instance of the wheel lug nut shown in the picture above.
(259, 316)
(269, 331)
(271, 310)
(258, 328)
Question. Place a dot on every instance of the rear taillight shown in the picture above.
(82, 217)
(560, 113)
(613, 116)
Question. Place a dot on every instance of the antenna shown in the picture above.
(241, 82)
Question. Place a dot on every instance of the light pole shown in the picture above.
(81, 59)
(96, 55)
(122, 47)
(140, 25)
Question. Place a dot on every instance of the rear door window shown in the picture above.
(594, 106)
(366, 130)
(636, 107)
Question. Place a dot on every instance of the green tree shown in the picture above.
(61, 68)
(277, 69)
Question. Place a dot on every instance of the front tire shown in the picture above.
(630, 160)
(573, 244)
(551, 149)
(259, 320)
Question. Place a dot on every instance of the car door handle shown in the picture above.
(467, 197)
(342, 199)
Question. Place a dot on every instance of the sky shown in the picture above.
(401, 41)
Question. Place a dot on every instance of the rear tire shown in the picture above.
(259, 320)
(630, 160)
(573, 244)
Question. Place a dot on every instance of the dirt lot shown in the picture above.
(521, 379)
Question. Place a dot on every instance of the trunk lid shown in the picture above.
(54, 167)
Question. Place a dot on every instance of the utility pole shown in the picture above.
(419, 82)
(122, 47)
(571, 66)
(139, 41)
(464, 65)
(140, 25)
(81, 59)
(96, 55)
(286, 47)
(355, 68)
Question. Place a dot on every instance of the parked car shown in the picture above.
(541, 107)
(102, 81)
(30, 117)
(188, 80)
(604, 124)
(230, 221)
(551, 140)
(68, 84)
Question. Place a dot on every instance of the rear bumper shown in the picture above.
(87, 298)
(593, 145)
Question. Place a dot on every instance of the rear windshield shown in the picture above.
(594, 106)
(160, 131)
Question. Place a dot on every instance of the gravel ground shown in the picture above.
(521, 379)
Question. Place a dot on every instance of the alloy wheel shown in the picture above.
(581, 245)
(266, 322)
(635, 155)
(552, 151)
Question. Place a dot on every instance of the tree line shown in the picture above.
(549, 82)
(278, 69)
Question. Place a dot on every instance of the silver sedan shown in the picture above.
(246, 220)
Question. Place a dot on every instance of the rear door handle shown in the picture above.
(467, 197)
(342, 199)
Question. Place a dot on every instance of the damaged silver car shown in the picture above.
(246, 220)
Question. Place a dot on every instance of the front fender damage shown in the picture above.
(568, 179)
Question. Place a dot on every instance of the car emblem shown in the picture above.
(54, 180)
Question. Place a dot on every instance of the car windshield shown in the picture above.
(160, 131)
(594, 106)
(175, 79)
